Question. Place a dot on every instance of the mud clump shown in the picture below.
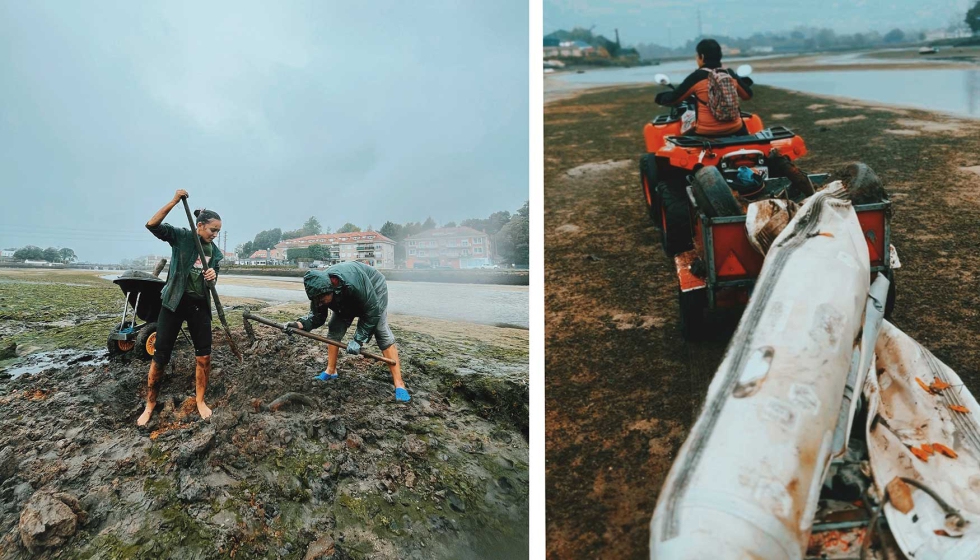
(862, 183)
(332, 469)
(49, 520)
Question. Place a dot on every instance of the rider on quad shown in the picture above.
(715, 91)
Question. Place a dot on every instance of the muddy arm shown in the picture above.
(155, 223)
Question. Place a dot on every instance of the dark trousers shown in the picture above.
(197, 313)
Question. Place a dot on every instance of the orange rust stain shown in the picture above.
(945, 450)
(920, 454)
(939, 385)
(923, 385)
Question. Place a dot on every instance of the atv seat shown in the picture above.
(764, 136)
(670, 118)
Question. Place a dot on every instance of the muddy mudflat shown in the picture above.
(343, 472)
(622, 387)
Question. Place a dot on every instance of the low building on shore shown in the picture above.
(368, 247)
(265, 257)
(456, 247)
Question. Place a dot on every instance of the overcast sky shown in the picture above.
(660, 21)
(266, 112)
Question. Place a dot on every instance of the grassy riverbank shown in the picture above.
(622, 386)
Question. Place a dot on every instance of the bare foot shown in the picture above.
(145, 417)
(204, 410)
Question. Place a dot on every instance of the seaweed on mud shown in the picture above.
(264, 483)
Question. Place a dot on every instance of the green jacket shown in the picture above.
(182, 258)
(359, 291)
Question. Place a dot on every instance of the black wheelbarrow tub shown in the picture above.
(147, 287)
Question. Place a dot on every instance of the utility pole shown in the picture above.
(617, 39)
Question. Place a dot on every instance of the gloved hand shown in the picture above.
(748, 80)
(353, 347)
(661, 98)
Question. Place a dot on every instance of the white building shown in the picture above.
(368, 247)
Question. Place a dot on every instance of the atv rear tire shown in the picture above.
(648, 182)
(713, 195)
(146, 342)
(675, 219)
(694, 305)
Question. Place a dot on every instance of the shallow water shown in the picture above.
(955, 91)
(40, 361)
(472, 303)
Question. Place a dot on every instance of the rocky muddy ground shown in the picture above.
(347, 474)
(622, 386)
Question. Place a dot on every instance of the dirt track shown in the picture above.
(622, 387)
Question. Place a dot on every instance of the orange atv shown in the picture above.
(672, 159)
(695, 196)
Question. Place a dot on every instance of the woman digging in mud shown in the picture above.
(352, 290)
(185, 298)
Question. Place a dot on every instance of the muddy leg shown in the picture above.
(203, 371)
(332, 352)
(396, 370)
(153, 380)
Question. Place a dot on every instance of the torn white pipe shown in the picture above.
(746, 482)
(902, 416)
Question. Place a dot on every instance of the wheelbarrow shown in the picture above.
(141, 303)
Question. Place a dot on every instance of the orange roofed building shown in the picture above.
(458, 247)
(368, 247)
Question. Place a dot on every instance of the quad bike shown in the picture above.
(694, 197)
(672, 159)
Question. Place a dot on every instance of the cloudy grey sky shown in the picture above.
(657, 21)
(267, 112)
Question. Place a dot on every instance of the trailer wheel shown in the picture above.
(648, 183)
(146, 342)
(890, 299)
(694, 305)
(713, 195)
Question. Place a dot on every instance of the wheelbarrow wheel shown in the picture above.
(146, 342)
(119, 347)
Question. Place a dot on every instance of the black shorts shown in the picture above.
(197, 313)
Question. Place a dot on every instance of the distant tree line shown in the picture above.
(612, 48)
(509, 233)
(51, 254)
(973, 18)
(800, 39)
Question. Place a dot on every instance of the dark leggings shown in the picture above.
(197, 313)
